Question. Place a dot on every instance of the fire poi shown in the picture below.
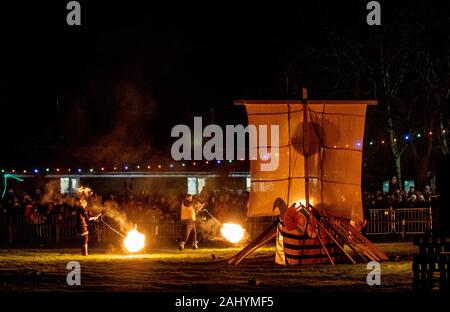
(234, 233)
(134, 241)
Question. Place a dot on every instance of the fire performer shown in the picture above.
(82, 220)
(188, 218)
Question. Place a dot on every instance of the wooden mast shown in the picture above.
(306, 143)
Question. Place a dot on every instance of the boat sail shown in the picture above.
(320, 157)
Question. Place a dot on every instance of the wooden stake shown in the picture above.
(323, 246)
(380, 254)
(344, 237)
(269, 232)
(334, 240)
(238, 260)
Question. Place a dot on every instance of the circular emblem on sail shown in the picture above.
(315, 135)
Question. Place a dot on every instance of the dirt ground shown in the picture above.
(169, 270)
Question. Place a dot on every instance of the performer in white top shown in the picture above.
(188, 218)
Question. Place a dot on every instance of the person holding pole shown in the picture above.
(82, 219)
(188, 219)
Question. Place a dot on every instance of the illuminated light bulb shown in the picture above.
(194, 163)
(171, 166)
(148, 167)
(230, 161)
(206, 162)
(346, 145)
(36, 171)
(430, 133)
(24, 171)
(371, 142)
(79, 170)
(358, 144)
(406, 137)
(334, 146)
(218, 162)
(395, 140)
(47, 169)
(115, 168)
(57, 169)
(3, 170)
(183, 164)
(159, 166)
(68, 170)
(13, 171)
(126, 167)
(103, 169)
(382, 141)
(443, 131)
(138, 167)
(91, 170)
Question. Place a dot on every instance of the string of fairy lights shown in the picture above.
(123, 168)
(406, 139)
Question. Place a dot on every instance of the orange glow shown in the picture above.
(234, 233)
(134, 241)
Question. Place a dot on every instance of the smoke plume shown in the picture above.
(210, 229)
(51, 190)
(112, 210)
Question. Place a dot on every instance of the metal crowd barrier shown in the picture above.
(17, 228)
(404, 221)
(381, 221)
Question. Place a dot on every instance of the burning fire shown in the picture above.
(234, 233)
(84, 191)
(134, 241)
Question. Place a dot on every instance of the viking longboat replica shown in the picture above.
(316, 189)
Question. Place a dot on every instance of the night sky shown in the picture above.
(131, 72)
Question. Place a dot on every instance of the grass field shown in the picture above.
(194, 270)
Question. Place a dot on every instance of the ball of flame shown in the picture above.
(134, 241)
(234, 233)
(84, 191)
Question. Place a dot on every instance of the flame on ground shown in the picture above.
(234, 233)
(134, 241)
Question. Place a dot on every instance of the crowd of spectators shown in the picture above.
(396, 198)
(141, 207)
(150, 207)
